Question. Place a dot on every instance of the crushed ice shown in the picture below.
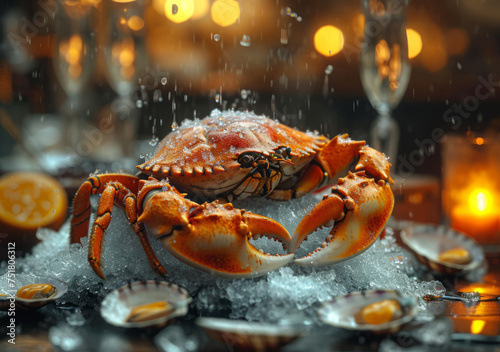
(289, 295)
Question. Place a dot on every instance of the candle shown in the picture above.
(477, 216)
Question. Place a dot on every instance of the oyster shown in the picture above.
(379, 311)
(244, 335)
(145, 303)
(442, 249)
(34, 292)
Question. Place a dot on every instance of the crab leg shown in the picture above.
(117, 193)
(81, 203)
(359, 206)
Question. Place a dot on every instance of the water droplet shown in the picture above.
(163, 80)
(175, 9)
(217, 98)
(157, 97)
(246, 40)
(459, 65)
(142, 156)
(244, 94)
(138, 103)
(216, 37)
(299, 19)
(329, 69)
(174, 125)
(153, 141)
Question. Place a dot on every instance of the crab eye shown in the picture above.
(247, 159)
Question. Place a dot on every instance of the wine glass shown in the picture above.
(385, 68)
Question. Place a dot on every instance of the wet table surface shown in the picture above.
(473, 327)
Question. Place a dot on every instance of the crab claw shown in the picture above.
(359, 208)
(214, 237)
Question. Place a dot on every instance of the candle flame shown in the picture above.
(480, 201)
(477, 326)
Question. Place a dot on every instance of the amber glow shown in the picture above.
(479, 141)
(123, 54)
(225, 12)
(482, 288)
(328, 40)
(477, 326)
(135, 23)
(480, 201)
(71, 51)
(414, 43)
(179, 11)
(388, 61)
(123, 1)
(200, 9)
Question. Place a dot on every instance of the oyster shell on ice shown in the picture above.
(378, 311)
(442, 249)
(33, 292)
(145, 303)
(245, 335)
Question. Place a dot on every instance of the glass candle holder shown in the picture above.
(471, 187)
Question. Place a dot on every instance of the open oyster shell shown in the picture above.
(342, 310)
(428, 242)
(59, 289)
(244, 335)
(135, 299)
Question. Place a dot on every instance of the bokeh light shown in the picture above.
(328, 40)
(414, 43)
(179, 11)
(225, 12)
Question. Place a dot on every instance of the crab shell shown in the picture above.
(117, 305)
(201, 157)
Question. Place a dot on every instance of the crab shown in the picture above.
(233, 156)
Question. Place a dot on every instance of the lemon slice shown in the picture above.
(29, 200)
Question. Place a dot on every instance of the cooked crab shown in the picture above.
(234, 156)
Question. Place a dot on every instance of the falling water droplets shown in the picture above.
(164, 80)
(142, 156)
(174, 126)
(175, 9)
(216, 37)
(329, 69)
(153, 141)
(157, 96)
(138, 103)
(217, 98)
(246, 40)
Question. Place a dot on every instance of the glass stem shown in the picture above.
(385, 136)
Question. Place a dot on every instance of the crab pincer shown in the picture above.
(214, 237)
(357, 208)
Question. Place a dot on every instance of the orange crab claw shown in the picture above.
(358, 208)
(367, 206)
(213, 237)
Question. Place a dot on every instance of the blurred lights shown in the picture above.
(71, 51)
(225, 12)
(414, 43)
(123, 1)
(200, 9)
(135, 23)
(328, 40)
(388, 61)
(123, 54)
(179, 11)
